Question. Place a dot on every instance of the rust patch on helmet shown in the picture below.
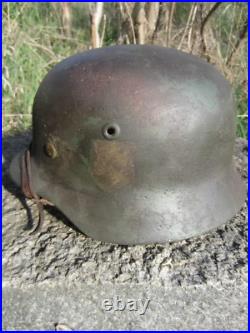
(112, 164)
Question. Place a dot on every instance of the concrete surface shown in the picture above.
(58, 278)
(53, 306)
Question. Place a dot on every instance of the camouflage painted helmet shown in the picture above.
(134, 144)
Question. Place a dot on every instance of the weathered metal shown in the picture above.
(134, 144)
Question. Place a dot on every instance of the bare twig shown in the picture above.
(140, 22)
(187, 26)
(230, 43)
(96, 13)
(162, 20)
(190, 33)
(170, 22)
(152, 14)
(203, 24)
(66, 17)
(163, 17)
(103, 28)
(239, 41)
(130, 22)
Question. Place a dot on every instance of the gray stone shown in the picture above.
(57, 278)
(53, 305)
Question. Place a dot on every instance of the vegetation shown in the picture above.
(38, 35)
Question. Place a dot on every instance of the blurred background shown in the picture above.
(38, 35)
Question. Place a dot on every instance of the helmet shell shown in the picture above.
(134, 144)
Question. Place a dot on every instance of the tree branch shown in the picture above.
(242, 35)
(203, 24)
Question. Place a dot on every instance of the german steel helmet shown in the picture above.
(134, 144)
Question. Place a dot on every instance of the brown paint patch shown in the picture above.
(61, 147)
(112, 164)
(50, 149)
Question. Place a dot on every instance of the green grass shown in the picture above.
(242, 115)
(34, 40)
(229, 22)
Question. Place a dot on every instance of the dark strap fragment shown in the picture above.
(27, 188)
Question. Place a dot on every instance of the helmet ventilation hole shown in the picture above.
(111, 131)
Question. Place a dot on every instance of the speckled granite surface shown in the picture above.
(58, 255)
